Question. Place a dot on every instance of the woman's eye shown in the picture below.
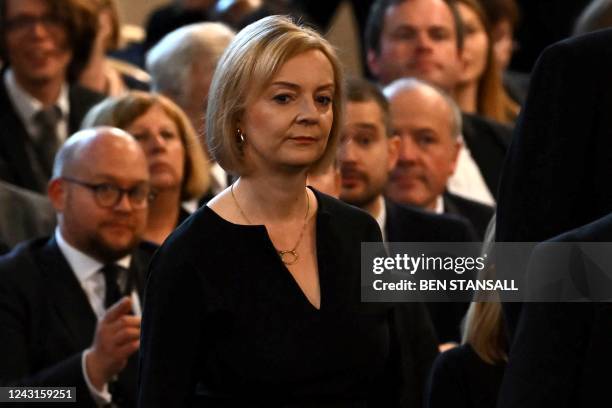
(282, 98)
(167, 134)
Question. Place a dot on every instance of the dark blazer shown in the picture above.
(15, 166)
(407, 224)
(559, 166)
(479, 215)
(47, 322)
(561, 354)
(23, 215)
(488, 142)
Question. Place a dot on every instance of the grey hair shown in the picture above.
(69, 153)
(411, 84)
(596, 16)
(171, 60)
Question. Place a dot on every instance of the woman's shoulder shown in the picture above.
(199, 230)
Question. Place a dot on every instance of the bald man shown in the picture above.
(428, 123)
(70, 303)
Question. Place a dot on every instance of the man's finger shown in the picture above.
(122, 307)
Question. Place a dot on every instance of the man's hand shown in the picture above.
(117, 338)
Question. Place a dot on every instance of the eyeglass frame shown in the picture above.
(95, 189)
(25, 23)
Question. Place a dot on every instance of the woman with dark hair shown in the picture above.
(255, 300)
(480, 89)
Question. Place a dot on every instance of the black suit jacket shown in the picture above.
(407, 224)
(559, 166)
(479, 215)
(488, 143)
(15, 166)
(561, 356)
(23, 215)
(47, 321)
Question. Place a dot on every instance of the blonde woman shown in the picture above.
(179, 171)
(255, 301)
(470, 375)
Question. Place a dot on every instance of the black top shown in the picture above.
(225, 324)
(461, 379)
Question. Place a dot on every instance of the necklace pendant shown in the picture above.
(288, 257)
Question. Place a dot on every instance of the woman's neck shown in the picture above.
(273, 197)
(163, 215)
(466, 95)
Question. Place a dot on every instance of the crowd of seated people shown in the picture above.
(234, 152)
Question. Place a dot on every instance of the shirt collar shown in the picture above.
(381, 217)
(439, 209)
(83, 265)
(26, 105)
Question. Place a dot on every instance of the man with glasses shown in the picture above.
(43, 44)
(70, 304)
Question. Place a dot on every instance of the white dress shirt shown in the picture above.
(87, 272)
(26, 107)
(468, 181)
(381, 217)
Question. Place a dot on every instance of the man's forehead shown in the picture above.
(364, 113)
(420, 14)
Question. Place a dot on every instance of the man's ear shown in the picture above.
(394, 143)
(373, 62)
(455, 154)
(56, 190)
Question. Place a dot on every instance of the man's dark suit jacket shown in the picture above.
(561, 356)
(488, 143)
(407, 224)
(47, 321)
(479, 215)
(15, 167)
(559, 166)
(23, 215)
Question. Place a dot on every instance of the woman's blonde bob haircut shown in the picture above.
(245, 69)
(122, 111)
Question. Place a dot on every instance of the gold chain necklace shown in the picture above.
(290, 256)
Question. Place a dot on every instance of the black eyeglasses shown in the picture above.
(109, 195)
(24, 23)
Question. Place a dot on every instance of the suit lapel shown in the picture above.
(487, 147)
(66, 295)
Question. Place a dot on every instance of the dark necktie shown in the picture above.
(113, 293)
(48, 141)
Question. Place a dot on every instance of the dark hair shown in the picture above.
(80, 22)
(376, 22)
(361, 90)
(499, 10)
